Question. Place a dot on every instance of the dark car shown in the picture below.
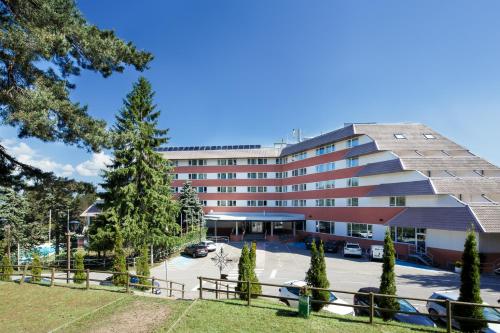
(196, 250)
(310, 239)
(404, 305)
(331, 246)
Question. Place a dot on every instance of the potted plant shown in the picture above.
(304, 302)
(458, 266)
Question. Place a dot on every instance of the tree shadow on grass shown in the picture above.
(287, 313)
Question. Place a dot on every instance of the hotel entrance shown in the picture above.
(256, 227)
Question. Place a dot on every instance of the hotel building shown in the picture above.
(351, 184)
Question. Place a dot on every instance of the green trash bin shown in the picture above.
(304, 306)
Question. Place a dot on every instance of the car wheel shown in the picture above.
(434, 315)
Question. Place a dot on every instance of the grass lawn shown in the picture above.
(35, 308)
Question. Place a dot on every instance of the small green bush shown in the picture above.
(80, 275)
(36, 268)
(6, 270)
(142, 268)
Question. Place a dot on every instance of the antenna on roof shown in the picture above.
(297, 134)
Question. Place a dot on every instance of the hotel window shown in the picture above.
(325, 185)
(360, 230)
(299, 203)
(251, 203)
(226, 189)
(325, 149)
(262, 189)
(252, 161)
(262, 203)
(203, 202)
(352, 202)
(262, 175)
(195, 176)
(325, 167)
(282, 160)
(300, 225)
(252, 175)
(280, 175)
(397, 201)
(174, 189)
(201, 189)
(226, 175)
(405, 234)
(299, 156)
(353, 182)
(175, 176)
(197, 162)
(326, 227)
(399, 136)
(174, 162)
(352, 143)
(429, 136)
(352, 162)
(280, 189)
(281, 203)
(252, 189)
(325, 202)
(224, 203)
(299, 172)
(226, 162)
(262, 161)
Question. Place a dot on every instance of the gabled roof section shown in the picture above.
(488, 215)
(444, 218)
(222, 153)
(330, 137)
(420, 187)
(466, 185)
(377, 168)
(450, 163)
(364, 149)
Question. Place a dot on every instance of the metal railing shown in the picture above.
(372, 308)
(24, 271)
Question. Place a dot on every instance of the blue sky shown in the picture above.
(248, 72)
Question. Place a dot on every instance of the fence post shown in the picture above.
(24, 274)
(182, 290)
(87, 281)
(249, 291)
(201, 287)
(216, 289)
(448, 316)
(372, 310)
(128, 283)
(152, 285)
(52, 276)
(227, 291)
(170, 288)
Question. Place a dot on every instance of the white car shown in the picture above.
(352, 249)
(435, 308)
(376, 252)
(209, 245)
(293, 291)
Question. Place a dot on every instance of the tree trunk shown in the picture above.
(152, 259)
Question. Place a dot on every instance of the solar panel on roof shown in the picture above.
(194, 148)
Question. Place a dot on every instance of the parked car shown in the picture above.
(310, 239)
(435, 308)
(376, 252)
(331, 246)
(293, 291)
(196, 250)
(404, 305)
(210, 245)
(352, 249)
(43, 280)
(133, 279)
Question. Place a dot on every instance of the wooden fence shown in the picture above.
(222, 287)
(24, 271)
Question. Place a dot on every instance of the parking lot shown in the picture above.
(278, 263)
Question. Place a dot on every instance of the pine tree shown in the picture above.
(45, 45)
(143, 267)
(80, 275)
(137, 193)
(244, 268)
(120, 260)
(470, 288)
(36, 268)
(256, 288)
(14, 228)
(6, 270)
(316, 277)
(388, 279)
(191, 210)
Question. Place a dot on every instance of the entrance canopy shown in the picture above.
(274, 217)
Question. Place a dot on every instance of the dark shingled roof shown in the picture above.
(378, 168)
(444, 218)
(408, 188)
(324, 139)
(363, 149)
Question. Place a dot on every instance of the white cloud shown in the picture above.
(93, 167)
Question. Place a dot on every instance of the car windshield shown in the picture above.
(200, 246)
(491, 314)
(405, 306)
(352, 246)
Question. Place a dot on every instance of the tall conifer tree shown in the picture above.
(316, 276)
(191, 210)
(137, 184)
(388, 279)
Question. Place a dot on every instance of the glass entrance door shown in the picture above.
(420, 241)
(257, 227)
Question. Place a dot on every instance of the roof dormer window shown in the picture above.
(429, 136)
(399, 136)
